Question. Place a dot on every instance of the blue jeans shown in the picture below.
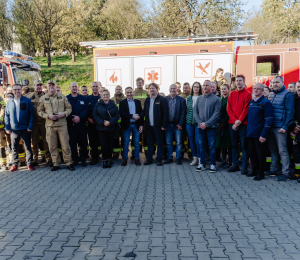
(208, 135)
(171, 130)
(236, 136)
(193, 134)
(135, 138)
(155, 133)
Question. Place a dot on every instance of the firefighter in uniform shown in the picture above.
(39, 129)
(94, 141)
(2, 135)
(141, 95)
(77, 125)
(55, 107)
(118, 97)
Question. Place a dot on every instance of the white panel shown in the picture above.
(199, 67)
(158, 69)
(112, 72)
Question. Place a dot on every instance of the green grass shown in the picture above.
(264, 69)
(64, 71)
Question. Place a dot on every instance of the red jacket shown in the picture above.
(238, 105)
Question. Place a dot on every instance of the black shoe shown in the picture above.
(124, 163)
(109, 164)
(71, 167)
(83, 164)
(258, 178)
(94, 161)
(43, 159)
(226, 165)
(234, 169)
(75, 163)
(55, 168)
(104, 164)
(148, 162)
(298, 180)
(222, 164)
(34, 164)
(168, 161)
(49, 164)
(178, 161)
(246, 173)
(159, 162)
(270, 173)
(251, 174)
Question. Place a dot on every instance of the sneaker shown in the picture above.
(194, 162)
(270, 173)
(212, 169)
(283, 178)
(13, 168)
(31, 168)
(200, 167)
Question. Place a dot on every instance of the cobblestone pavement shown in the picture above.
(168, 212)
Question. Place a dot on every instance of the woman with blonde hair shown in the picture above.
(219, 78)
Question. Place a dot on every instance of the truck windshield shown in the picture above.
(32, 75)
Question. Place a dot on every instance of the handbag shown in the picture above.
(110, 117)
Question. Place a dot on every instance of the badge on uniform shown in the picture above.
(46, 98)
(59, 97)
(81, 102)
(157, 102)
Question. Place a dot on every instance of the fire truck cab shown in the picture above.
(16, 68)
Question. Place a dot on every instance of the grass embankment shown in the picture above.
(64, 71)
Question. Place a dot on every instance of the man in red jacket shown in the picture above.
(237, 108)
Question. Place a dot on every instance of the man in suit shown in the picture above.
(176, 121)
(132, 120)
(156, 121)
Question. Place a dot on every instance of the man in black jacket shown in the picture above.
(295, 133)
(132, 120)
(77, 124)
(156, 121)
(176, 121)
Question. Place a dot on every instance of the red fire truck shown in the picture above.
(16, 67)
(193, 58)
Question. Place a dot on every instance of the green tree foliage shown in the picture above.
(277, 22)
(38, 21)
(194, 17)
(6, 27)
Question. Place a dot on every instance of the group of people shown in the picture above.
(216, 120)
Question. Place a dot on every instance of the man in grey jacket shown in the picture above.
(206, 113)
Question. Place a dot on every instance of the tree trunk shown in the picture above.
(49, 57)
(73, 56)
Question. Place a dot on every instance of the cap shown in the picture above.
(39, 82)
(51, 81)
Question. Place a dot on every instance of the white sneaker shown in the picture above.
(200, 167)
(195, 161)
(212, 169)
